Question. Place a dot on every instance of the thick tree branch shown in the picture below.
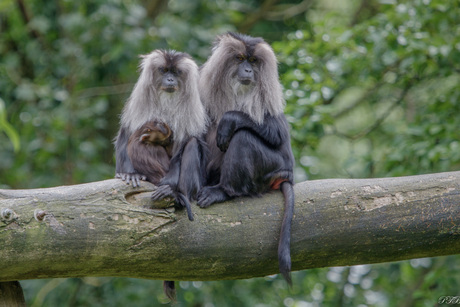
(103, 229)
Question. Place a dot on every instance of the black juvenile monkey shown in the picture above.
(167, 91)
(150, 149)
(248, 138)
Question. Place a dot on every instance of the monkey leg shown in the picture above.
(124, 168)
(192, 169)
(168, 184)
(210, 195)
(247, 169)
(186, 175)
(186, 172)
(249, 165)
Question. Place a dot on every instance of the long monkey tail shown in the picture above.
(183, 200)
(284, 245)
(169, 289)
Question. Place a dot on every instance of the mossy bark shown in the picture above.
(110, 229)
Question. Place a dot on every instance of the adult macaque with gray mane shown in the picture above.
(248, 137)
(167, 92)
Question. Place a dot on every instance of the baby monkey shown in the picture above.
(150, 150)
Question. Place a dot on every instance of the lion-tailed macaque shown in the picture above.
(248, 136)
(167, 91)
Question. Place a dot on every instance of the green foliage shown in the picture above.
(7, 128)
(371, 90)
(379, 98)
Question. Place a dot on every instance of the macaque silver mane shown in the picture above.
(225, 85)
(166, 91)
(248, 137)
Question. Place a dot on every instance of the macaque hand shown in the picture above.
(133, 178)
(225, 132)
(162, 191)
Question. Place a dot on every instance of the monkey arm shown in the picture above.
(172, 177)
(124, 168)
(274, 131)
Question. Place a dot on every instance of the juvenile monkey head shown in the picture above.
(241, 74)
(155, 133)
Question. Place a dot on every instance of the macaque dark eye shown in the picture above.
(252, 59)
(149, 130)
(164, 70)
(240, 58)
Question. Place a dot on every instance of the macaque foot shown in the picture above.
(210, 195)
(162, 191)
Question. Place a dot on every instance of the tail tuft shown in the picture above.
(284, 260)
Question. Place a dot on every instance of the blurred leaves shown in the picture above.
(363, 91)
(67, 67)
(7, 128)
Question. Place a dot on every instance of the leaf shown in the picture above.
(9, 130)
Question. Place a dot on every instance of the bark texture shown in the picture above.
(107, 228)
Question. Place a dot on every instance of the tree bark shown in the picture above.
(107, 228)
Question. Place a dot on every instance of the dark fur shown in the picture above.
(124, 164)
(169, 289)
(150, 149)
(190, 160)
(186, 175)
(250, 154)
